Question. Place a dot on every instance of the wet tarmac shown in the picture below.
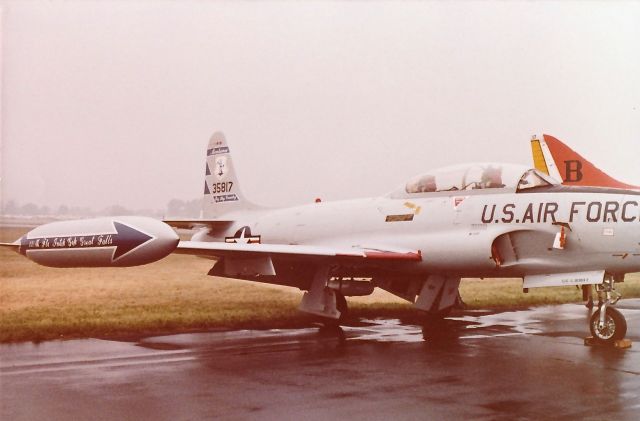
(529, 364)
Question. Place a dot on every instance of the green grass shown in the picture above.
(503, 293)
(175, 295)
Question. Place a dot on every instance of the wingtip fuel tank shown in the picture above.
(101, 242)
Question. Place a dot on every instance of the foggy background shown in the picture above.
(112, 103)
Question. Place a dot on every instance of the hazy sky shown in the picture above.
(113, 102)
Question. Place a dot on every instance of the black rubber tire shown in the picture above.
(440, 314)
(615, 329)
(341, 306)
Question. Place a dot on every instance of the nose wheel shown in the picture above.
(607, 325)
(612, 328)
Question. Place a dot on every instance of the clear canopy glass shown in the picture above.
(478, 176)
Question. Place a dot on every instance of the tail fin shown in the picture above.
(560, 161)
(542, 158)
(222, 192)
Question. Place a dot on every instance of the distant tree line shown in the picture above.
(175, 208)
(13, 208)
(184, 208)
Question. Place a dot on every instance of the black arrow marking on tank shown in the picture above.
(128, 239)
(125, 239)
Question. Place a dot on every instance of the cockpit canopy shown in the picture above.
(478, 176)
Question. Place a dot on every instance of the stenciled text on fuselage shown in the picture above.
(550, 212)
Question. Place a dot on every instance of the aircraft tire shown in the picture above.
(341, 306)
(615, 326)
(440, 314)
(434, 318)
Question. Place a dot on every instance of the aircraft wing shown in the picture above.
(219, 249)
(195, 223)
(14, 246)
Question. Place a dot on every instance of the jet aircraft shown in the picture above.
(417, 241)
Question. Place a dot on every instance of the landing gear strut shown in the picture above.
(323, 301)
(341, 306)
(607, 324)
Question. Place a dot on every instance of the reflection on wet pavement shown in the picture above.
(526, 364)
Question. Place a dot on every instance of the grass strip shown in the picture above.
(175, 295)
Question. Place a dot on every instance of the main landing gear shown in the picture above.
(323, 301)
(607, 325)
(341, 305)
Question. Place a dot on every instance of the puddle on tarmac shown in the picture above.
(464, 327)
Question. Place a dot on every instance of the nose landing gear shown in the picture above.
(607, 325)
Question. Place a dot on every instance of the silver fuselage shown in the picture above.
(458, 232)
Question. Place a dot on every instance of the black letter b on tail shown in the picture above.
(572, 171)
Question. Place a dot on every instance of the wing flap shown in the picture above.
(218, 249)
(393, 255)
(213, 224)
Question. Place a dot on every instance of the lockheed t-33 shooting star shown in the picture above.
(417, 242)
